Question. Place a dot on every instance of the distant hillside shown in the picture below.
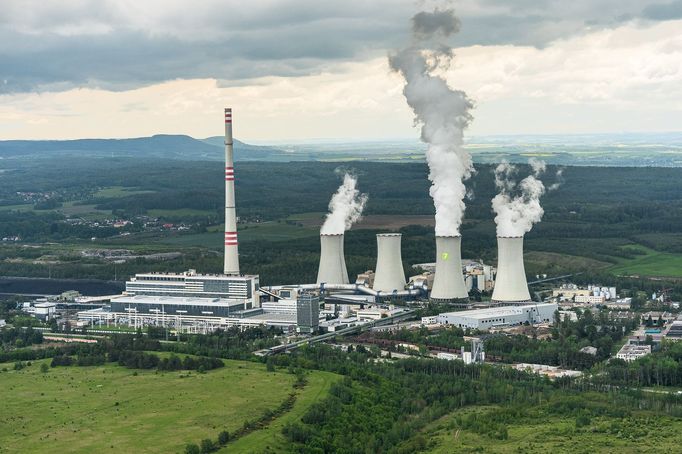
(159, 146)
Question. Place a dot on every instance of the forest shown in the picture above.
(599, 217)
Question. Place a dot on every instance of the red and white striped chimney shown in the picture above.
(231, 253)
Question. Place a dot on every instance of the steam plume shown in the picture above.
(442, 112)
(345, 207)
(517, 206)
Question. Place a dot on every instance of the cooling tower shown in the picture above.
(231, 265)
(332, 268)
(389, 274)
(510, 283)
(448, 283)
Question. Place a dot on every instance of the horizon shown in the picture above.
(293, 73)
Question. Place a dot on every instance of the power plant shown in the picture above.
(448, 282)
(193, 301)
(389, 275)
(511, 286)
(332, 268)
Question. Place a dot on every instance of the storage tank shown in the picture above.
(448, 282)
(389, 274)
(510, 284)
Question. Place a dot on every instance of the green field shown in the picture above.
(640, 432)
(118, 191)
(114, 409)
(649, 263)
(270, 439)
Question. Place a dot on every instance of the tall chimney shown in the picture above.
(510, 284)
(231, 252)
(389, 274)
(448, 283)
(332, 268)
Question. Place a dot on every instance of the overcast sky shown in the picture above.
(305, 69)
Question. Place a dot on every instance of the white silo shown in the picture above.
(389, 273)
(510, 284)
(448, 282)
(332, 268)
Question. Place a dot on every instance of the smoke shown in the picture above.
(559, 180)
(345, 207)
(443, 113)
(517, 206)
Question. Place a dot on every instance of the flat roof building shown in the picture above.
(500, 316)
(189, 284)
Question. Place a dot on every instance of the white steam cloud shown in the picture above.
(345, 207)
(517, 206)
(442, 112)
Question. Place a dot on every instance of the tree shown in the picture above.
(192, 449)
(223, 437)
(207, 445)
(44, 368)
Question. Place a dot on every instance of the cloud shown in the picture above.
(663, 11)
(124, 44)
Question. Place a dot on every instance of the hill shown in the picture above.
(178, 147)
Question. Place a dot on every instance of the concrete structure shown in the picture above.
(231, 259)
(192, 285)
(549, 371)
(511, 286)
(44, 311)
(448, 282)
(632, 352)
(484, 319)
(430, 320)
(366, 278)
(389, 274)
(332, 269)
(590, 299)
(307, 313)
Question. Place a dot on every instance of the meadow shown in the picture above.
(114, 409)
(542, 431)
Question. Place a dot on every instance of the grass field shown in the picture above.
(650, 263)
(114, 409)
(638, 433)
(118, 191)
(271, 439)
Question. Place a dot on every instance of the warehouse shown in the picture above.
(500, 316)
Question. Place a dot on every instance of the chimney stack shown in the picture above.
(389, 274)
(510, 284)
(332, 268)
(231, 266)
(448, 282)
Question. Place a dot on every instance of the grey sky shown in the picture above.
(125, 44)
(62, 62)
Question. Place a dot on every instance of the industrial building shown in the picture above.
(511, 287)
(192, 285)
(448, 282)
(632, 352)
(485, 319)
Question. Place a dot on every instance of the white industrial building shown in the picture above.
(632, 352)
(484, 319)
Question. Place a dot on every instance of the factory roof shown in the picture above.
(273, 317)
(501, 311)
(185, 301)
(193, 275)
